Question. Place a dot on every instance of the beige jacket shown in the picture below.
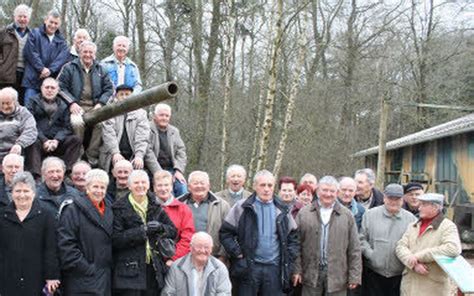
(225, 195)
(440, 238)
(138, 132)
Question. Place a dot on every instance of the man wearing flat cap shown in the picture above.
(124, 136)
(410, 198)
(382, 227)
(431, 235)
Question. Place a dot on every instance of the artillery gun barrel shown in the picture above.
(145, 98)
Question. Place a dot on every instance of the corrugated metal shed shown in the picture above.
(451, 128)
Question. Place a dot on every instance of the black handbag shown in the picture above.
(166, 247)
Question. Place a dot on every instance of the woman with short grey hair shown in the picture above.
(85, 239)
(27, 235)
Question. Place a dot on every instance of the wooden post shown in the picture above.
(382, 142)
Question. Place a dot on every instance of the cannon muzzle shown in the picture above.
(146, 98)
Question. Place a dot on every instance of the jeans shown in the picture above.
(263, 280)
(29, 93)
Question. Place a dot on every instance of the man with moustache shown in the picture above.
(78, 175)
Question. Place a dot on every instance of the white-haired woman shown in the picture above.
(85, 239)
(28, 259)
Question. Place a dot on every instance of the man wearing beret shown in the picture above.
(382, 227)
(431, 235)
(411, 193)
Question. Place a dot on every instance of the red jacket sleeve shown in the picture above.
(182, 218)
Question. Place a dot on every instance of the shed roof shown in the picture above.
(451, 128)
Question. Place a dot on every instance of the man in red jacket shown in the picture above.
(178, 212)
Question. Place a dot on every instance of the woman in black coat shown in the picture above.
(139, 222)
(85, 239)
(28, 259)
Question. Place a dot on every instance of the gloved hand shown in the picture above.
(154, 227)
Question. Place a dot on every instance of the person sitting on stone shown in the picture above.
(118, 186)
(55, 136)
(17, 125)
(124, 136)
(86, 86)
(11, 164)
(53, 190)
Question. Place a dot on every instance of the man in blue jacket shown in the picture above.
(45, 53)
(259, 235)
(86, 86)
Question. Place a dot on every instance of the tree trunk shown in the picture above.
(270, 100)
(141, 40)
(293, 95)
(382, 142)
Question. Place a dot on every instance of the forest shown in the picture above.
(290, 86)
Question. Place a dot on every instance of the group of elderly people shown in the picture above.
(76, 240)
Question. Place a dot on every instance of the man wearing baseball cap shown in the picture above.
(411, 193)
(431, 235)
(382, 227)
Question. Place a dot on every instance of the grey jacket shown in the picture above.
(138, 132)
(225, 195)
(178, 150)
(19, 128)
(379, 235)
(179, 281)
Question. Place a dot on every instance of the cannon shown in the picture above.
(146, 98)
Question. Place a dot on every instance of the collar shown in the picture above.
(263, 202)
(389, 215)
(435, 223)
(238, 192)
(17, 28)
(326, 208)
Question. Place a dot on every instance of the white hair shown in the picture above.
(262, 173)
(329, 180)
(308, 175)
(195, 174)
(82, 31)
(235, 168)
(50, 160)
(24, 178)
(22, 8)
(201, 235)
(162, 106)
(13, 157)
(121, 38)
(123, 163)
(138, 174)
(347, 179)
(369, 173)
(97, 175)
(88, 43)
(9, 92)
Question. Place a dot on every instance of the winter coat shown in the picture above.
(378, 238)
(343, 252)
(138, 132)
(239, 236)
(182, 218)
(8, 55)
(357, 211)
(70, 82)
(4, 198)
(85, 248)
(129, 243)
(218, 209)
(28, 254)
(178, 150)
(225, 195)
(40, 53)
(215, 278)
(58, 128)
(52, 200)
(439, 238)
(19, 128)
(132, 74)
